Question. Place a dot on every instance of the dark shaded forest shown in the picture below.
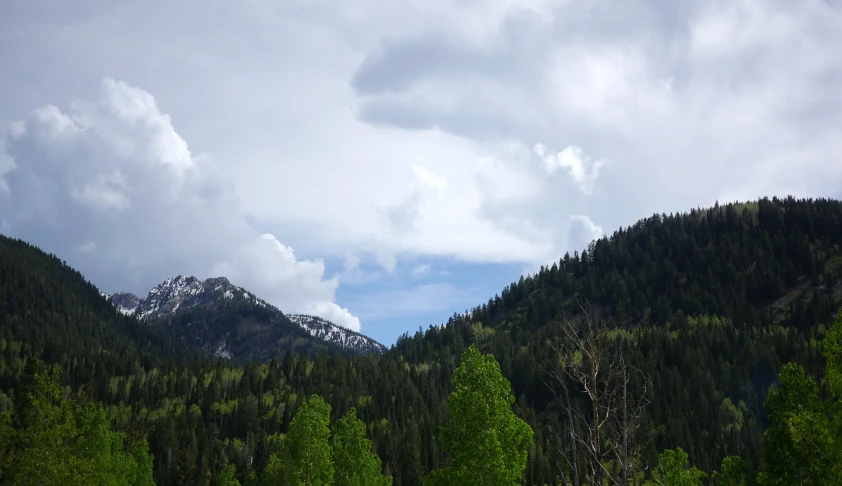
(701, 309)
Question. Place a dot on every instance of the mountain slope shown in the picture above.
(339, 336)
(736, 260)
(228, 321)
(49, 308)
(708, 304)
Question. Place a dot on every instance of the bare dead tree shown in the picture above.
(616, 394)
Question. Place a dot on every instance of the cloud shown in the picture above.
(403, 217)
(386, 260)
(683, 99)
(582, 169)
(430, 180)
(295, 286)
(410, 128)
(420, 271)
(582, 231)
(351, 261)
(112, 187)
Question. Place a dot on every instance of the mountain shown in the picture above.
(228, 321)
(50, 310)
(707, 304)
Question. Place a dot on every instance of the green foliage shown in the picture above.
(673, 470)
(353, 460)
(305, 456)
(799, 447)
(275, 472)
(487, 441)
(60, 442)
(708, 304)
(732, 472)
(833, 355)
(804, 441)
(226, 477)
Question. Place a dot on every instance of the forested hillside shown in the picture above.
(711, 304)
(50, 309)
(692, 316)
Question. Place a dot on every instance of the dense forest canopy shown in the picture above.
(705, 309)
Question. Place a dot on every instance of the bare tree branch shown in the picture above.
(616, 393)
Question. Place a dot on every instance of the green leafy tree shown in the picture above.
(44, 439)
(487, 441)
(354, 462)
(803, 444)
(142, 457)
(226, 477)
(732, 472)
(109, 461)
(59, 442)
(275, 472)
(305, 457)
(833, 356)
(7, 435)
(673, 470)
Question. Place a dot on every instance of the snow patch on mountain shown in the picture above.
(183, 293)
(330, 332)
(221, 350)
(126, 303)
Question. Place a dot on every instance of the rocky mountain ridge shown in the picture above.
(184, 297)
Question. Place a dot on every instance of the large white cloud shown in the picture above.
(690, 102)
(582, 169)
(400, 130)
(111, 187)
(293, 285)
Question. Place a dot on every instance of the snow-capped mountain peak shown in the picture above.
(178, 293)
(182, 293)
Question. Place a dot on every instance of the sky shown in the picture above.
(387, 164)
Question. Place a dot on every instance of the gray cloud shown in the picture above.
(115, 190)
(318, 113)
(403, 217)
(737, 97)
(582, 231)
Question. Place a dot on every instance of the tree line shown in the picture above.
(51, 437)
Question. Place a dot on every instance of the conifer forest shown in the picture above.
(691, 348)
